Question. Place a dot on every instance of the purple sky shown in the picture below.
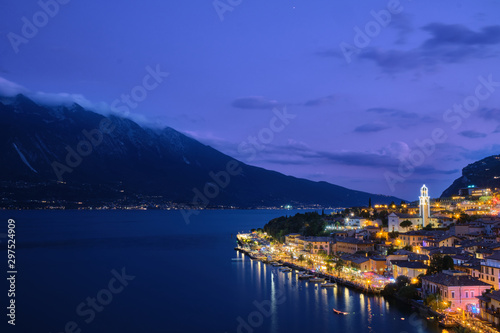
(356, 118)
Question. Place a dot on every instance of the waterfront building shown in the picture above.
(314, 244)
(456, 287)
(490, 270)
(489, 306)
(357, 262)
(291, 238)
(410, 269)
(378, 265)
(352, 245)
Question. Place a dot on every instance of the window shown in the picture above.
(466, 294)
(452, 294)
(492, 278)
(472, 294)
(445, 294)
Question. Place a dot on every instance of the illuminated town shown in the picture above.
(441, 256)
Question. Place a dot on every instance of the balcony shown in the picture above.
(495, 313)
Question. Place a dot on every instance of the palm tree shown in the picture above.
(301, 258)
(406, 224)
(309, 262)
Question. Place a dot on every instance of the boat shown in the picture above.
(317, 279)
(340, 312)
(305, 276)
(236, 259)
(285, 269)
(328, 285)
(276, 264)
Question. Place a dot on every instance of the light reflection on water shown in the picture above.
(308, 303)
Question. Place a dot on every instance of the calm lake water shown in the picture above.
(149, 271)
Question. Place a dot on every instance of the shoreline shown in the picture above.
(419, 308)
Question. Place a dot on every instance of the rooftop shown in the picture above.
(449, 280)
(409, 264)
(352, 240)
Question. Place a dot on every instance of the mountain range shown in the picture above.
(483, 173)
(67, 153)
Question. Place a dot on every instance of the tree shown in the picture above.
(402, 281)
(435, 264)
(390, 289)
(393, 234)
(405, 224)
(464, 218)
(309, 247)
(301, 258)
(309, 262)
(429, 226)
(408, 248)
(408, 292)
(370, 202)
(339, 265)
(391, 250)
(435, 302)
(448, 263)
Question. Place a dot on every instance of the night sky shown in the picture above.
(339, 91)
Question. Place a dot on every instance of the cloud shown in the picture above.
(457, 34)
(497, 130)
(329, 53)
(319, 101)
(402, 24)
(392, 60)
(387, 158)
(490, 114)
(479, 154)
(254, 102)
(11, 89)
(394, 112)
(371, 127)
(473, 134)
(448, 43)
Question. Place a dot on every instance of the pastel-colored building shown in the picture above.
(315, 244)
(411, 269)
(490, 270)
(352, 245)
(457, 288)
(489, 307)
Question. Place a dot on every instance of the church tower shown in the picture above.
(424, 206)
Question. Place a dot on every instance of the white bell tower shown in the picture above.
(424, 206)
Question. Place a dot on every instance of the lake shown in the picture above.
(149, 271)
